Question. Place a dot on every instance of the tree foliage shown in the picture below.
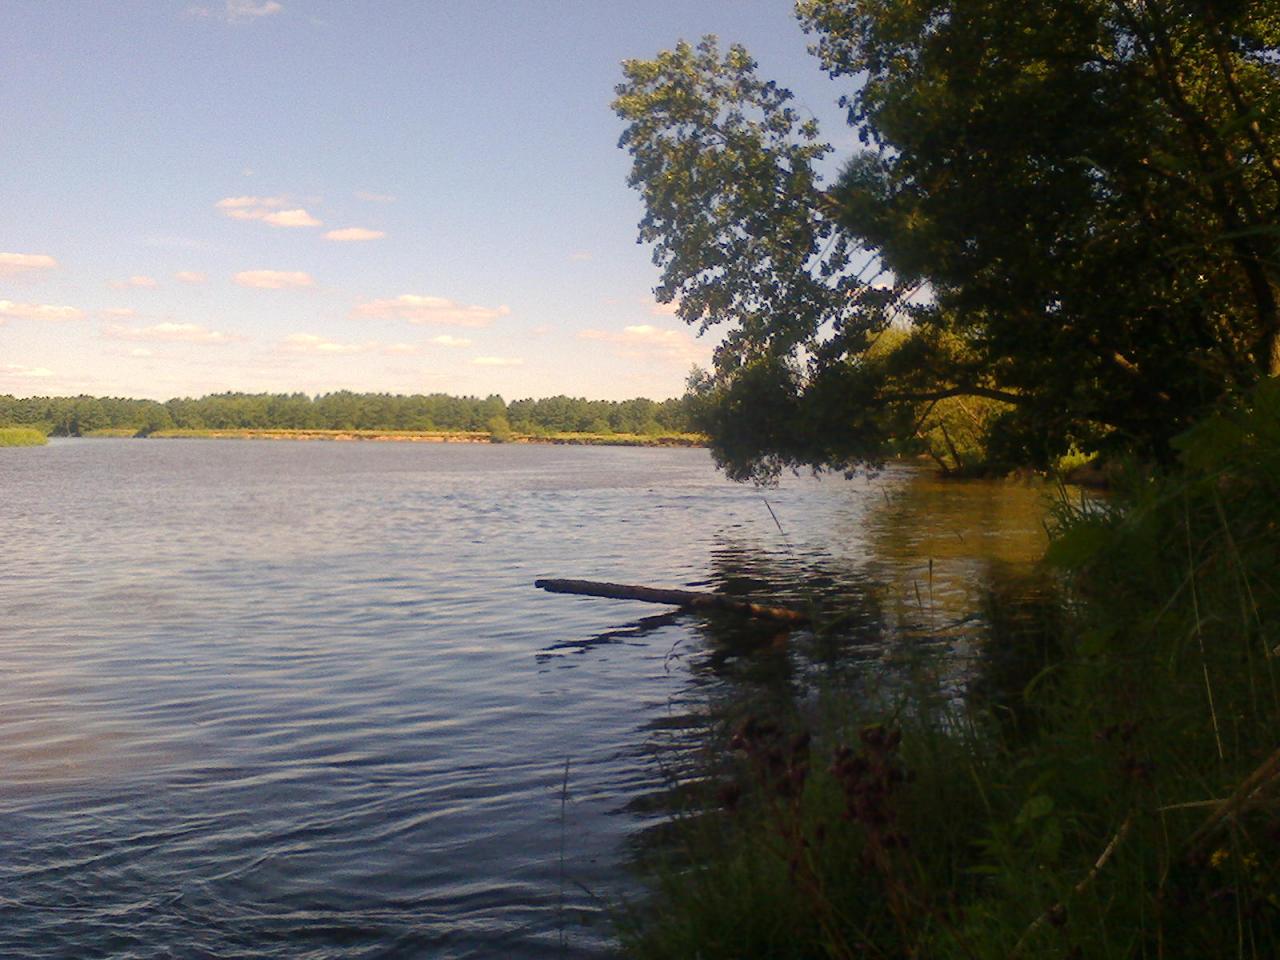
(344, 410)
(1071, 204)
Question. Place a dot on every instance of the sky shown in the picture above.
(300, 195)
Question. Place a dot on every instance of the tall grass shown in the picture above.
(1124, 801)
(21, 437)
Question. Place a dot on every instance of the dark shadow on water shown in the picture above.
(946, 575)
(630, 631)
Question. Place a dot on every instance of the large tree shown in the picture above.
(1070, 205)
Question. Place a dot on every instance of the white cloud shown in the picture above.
(646, 341)
(291, 218)
(266, 210)
(19, 370)
(354, 233)
(375, 197)
(401, 349)
(11, 263)
(119, 312)
(233, 203)
(243, 11)
(137, 280)
(38, 311)
(190, 276)
(498, 361)
(580, 255)
(430, 310)
(447, 340)
(273, 279)
(169, 332)
(141, 352)
(310, 343)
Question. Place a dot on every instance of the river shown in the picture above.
(286, 699)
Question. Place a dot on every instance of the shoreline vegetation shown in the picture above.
(22, 437)
(415, 436)
(1107, 785)
(344, 415)
(1104, 781)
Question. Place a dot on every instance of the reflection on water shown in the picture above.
(272, 700)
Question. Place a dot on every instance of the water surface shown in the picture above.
(265, 699)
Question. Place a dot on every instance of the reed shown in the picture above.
(21, 437)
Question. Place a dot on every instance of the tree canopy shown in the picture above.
(1063, 214)
(345, 410)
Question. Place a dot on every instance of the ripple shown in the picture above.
(300, 700)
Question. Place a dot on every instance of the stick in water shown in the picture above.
(694, 599)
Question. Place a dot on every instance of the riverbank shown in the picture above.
(1108, 787)
(419, 436)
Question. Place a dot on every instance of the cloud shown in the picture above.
(310, 343)
(235, 203)
(497, 361)
(447, 340)
(38, 311)
(430, 310)
(169, 332)
(19, 370)
(11, 263)
(137, 280)
(292, 218)
(273, 279)
(401, 349)
(354, 233)
(190, 276)
(646, 341)
(664, 309)
(264, 209)
(141, 352)
(246, 11)
(375, 197)
(119, 312)
(580, 255)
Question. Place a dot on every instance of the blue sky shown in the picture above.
(305, 195)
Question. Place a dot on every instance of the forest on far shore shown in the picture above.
(344, 410)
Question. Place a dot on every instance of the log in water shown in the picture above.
(694, 599)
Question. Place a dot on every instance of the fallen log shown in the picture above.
(692, 599)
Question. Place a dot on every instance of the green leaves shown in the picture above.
(1080, 195)
(726, 168)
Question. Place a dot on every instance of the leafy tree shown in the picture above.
(1074, 203)
(345, 410)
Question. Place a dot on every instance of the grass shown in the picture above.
(21, 437)
(116, 432)
(1119, 798)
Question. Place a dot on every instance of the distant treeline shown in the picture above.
(344, 410)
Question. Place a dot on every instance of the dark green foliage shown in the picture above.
(1113, 793)
(1077, 200)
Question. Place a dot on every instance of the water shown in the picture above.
(301, 700)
